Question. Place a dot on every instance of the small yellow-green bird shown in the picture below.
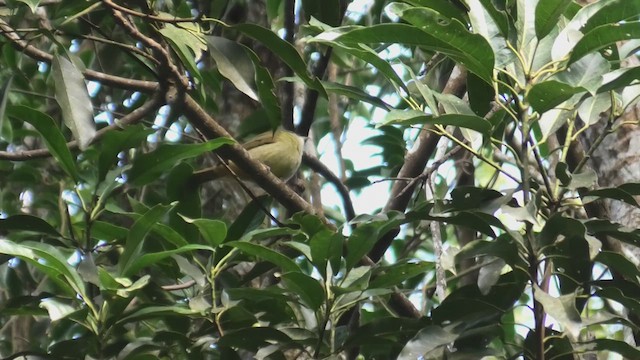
(281, 151)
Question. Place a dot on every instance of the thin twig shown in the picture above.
(182, 286)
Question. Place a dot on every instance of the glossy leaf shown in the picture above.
(307, 288)
(549, 94)
(114, 142)
(5, 133)
(603, 36)
(234, 64)
(326, 247)
(611, 193)
(27, 223)
(355, 93)
(187, 42)
(562, 309)
(613, 11)
(266, 91)
(213, 231)
(265, 253)
(410, 117)
(147, 167)
(73, 97)
(363, 239)
(50, 133)
(395, 274)
(477, 55)
(547, 14)
(137, 235)
(285, 51)
(151, 258)
(450, 36)
(49, 260)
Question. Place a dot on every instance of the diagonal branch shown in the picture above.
(116, 81)
(202, 121)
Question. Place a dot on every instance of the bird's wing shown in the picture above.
(259, 140)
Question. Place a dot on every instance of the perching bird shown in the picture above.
(281, 152)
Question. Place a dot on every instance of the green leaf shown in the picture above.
(327, 11)
(213, 231)
(152, 258)
(114, 142)
(187, 42)
(33, 4)
(73, 97)
(562, 309)
(263, 252)
(587, 73)
(28, 223)
(546, 95)
(610, 193)
(285, 51)
(355, 93)
(395, 274)
(481, 95)
(548, 12)
(189, 203)
(562, 173)
(57, 309)
(601, 227)
(586, 179)
(156, 312)
(468, 305)
(364, 237)
(428, 339)
(326, 246)
(503, 247)
(51, 261)
(479, 221)
(307, 288)
(266, 91)
(619, 78)
(147, 167)
(5, 127)
(612, 12)
(447, 36)
(52, 136)
(253, 338)
(444, 7)
(407, 117)
(603, 36)
(250, 218)
(234, 63)
(624, 292)
(610, 345)
(592, 108)
(559, 225)
(619, 263)
(499, 17)
(364, 53)
(137, 234)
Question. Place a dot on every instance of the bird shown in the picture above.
(281, 151)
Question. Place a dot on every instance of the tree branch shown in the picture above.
(133, 117)
(106, 79)
(323, 170)
(414, 164)
(166, 63)
(202, 121)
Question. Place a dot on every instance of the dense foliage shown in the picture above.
(494, 239)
